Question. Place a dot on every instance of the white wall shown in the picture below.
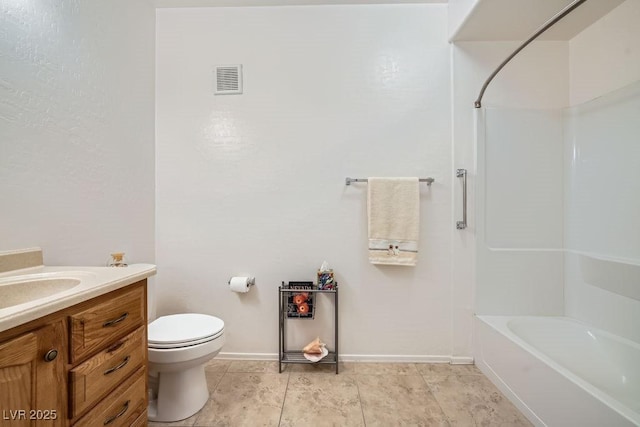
(76, 129)
(602, 268)
(254, 183)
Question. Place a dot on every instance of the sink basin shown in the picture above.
(33, 292)
(21, 289)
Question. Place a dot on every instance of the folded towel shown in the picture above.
(393, 206)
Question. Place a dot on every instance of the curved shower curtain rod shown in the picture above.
(558, 16)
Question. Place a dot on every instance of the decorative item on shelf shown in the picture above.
(300, 305)
(325, 277)
(315, 351)
(303, 308)
(117, 260)
(299, 299)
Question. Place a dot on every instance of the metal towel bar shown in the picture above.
(348, 181)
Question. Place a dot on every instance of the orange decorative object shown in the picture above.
(299, 299)
(303, 308)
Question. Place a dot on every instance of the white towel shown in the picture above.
(393, 206)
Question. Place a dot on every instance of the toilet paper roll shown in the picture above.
(240, 284)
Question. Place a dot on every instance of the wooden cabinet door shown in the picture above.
(32, 389)
(18, 370)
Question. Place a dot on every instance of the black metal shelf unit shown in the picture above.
(287, 356)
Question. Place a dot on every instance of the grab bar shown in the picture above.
(462, 173)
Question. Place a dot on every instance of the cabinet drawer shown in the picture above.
(92, 379)
(95, 327)
(125, 406)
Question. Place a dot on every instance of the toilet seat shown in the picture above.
(183, 330)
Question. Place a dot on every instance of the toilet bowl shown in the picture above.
(179, 346)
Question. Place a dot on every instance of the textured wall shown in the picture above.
(76, 129)
(255, 183)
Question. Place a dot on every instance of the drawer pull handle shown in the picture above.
(115, 321)
(51, 355)
(120, 366)
(115, 347)
(124, 409)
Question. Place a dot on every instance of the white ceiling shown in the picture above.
(239, 3)
(487, 20)
(519, 19)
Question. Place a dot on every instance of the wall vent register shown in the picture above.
(228, 79)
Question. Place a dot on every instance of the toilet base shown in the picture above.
(180, 395)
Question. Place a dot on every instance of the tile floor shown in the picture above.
(253, 393)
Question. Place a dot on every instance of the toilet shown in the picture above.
(179, 347)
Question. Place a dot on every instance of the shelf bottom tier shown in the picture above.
(298, 357)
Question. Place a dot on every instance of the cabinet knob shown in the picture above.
(51, 355)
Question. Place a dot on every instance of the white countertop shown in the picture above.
(94, 281)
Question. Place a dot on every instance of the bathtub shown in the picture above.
(559, 371)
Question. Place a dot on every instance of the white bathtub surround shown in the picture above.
(602, 187)
(560, 371)
(554, 190)
(593, 262)
(519, 212)
(537, 79)
(605, 56)
(555, 187)
(393, 212)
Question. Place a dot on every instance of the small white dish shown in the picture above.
(316, 357)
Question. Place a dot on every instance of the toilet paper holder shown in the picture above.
(250, 282)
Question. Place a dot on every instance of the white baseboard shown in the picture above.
(461, 360)
(365, 358)
(393, 358)
(247, 356)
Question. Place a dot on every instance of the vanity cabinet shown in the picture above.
(31, 372)
(82, 366)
